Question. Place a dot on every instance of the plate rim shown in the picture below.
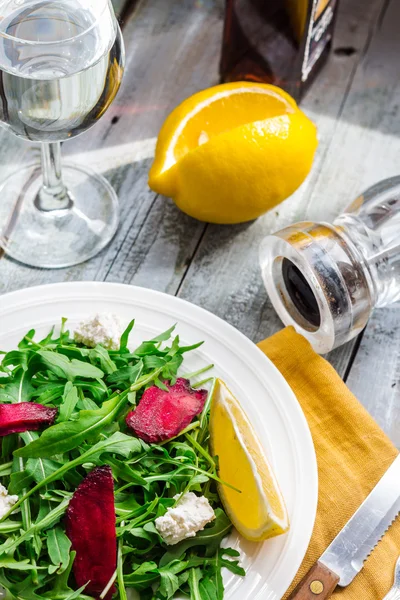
(8, 299)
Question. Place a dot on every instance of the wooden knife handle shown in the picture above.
(318, 584)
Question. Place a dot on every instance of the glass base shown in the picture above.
(57, 238)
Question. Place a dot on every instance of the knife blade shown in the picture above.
(345, 556)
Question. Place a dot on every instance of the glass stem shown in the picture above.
(53, 195)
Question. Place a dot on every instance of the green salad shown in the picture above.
(84, 482)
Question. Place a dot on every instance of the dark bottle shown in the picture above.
(284, 42)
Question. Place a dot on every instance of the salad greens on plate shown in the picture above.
(60, 452)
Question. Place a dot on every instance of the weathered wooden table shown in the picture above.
(173, 51)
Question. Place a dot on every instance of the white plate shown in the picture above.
(264, 393)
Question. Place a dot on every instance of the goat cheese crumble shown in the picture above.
(104, 329)
(190, 515)
(6, 501)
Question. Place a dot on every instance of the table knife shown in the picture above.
(345, 557)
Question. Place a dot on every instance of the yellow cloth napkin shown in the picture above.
(352, 454)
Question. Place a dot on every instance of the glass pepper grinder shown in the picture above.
(326, 279)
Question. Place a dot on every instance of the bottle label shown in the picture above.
(319, 34)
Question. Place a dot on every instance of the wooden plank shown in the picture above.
(365, 143)
(224, 276)
(375, 373)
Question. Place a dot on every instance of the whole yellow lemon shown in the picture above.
(232, 152)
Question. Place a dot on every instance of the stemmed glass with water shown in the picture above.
(61, 65)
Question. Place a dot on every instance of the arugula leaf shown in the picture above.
(7, 562)
(8, 444)
(214, 580)
(48, 393)
(232, 565)
(195, 574)
(125, 336)
(19, 480)
(46, 341)
(73, 595)
(5, 469)
(146, 574)
(154, 362)
(142, 534)
(106, 364)
(165, 336)
(184, 349)
(118, 443)
(58, 547)
(149, 347)
(123, 471)
(19, 389)
(120, 572)
(41, 468)
(61, 587)
(65, 368)
(22, 590)
(207, 590)
(171, 368)
(9, 527)
(97, 388)
(136, 520)
(70, 400)
(169, 583)
(17, 358)
(87, 404)
(128, 374)
(24, 343)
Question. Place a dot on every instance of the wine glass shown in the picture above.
(61, 65)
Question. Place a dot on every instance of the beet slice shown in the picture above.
(90, 525)
(161, 415)
(25, 416)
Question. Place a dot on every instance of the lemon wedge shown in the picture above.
(230, 153)
(259, 511)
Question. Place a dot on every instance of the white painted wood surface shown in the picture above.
(172, 51)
